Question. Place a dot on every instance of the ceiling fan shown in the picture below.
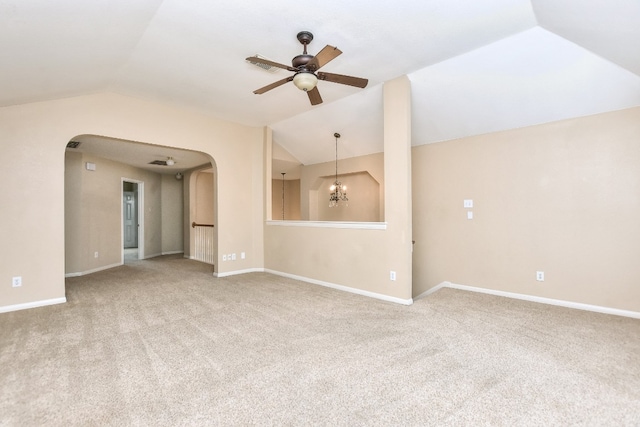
(306, 68)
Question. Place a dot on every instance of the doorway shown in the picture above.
(132, 220)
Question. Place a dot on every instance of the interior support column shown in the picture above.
(397, 171)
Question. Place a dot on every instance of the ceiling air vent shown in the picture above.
(159, 162)
(73, 144)
(263, 66)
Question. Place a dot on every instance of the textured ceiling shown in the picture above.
(475, 67)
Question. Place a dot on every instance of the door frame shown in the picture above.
(140, 208)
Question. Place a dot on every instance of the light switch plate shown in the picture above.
(468, 203)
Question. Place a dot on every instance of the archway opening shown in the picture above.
(97, 169)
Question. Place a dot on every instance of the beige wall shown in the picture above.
(204, 198)
(74, 220)
(172, 198)
(563, 198)
(363, 176)
(363, 205)
(35, 135)
(291, 199)
(93, 203)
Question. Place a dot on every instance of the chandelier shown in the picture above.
(338, 191)
(283, 174)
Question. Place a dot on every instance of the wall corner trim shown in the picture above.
(94, 270)
(375, 295)
(152, 255)
(532, 298)
(33, 304)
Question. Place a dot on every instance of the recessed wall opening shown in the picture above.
(301, 192)
(127, 201)
(363, 203)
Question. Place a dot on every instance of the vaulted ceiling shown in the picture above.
(475, 66)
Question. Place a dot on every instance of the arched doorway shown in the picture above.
(96, 168)
(202, 215)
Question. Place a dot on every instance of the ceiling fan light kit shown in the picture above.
(305, 81)
(305, 67)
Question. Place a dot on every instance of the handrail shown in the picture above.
(194, 225)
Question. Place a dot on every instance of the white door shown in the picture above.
(130, 219)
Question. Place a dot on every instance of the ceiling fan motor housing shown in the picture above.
(301, 60)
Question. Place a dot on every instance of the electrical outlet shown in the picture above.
(540, 276)
(16, 281)
(224, 257)
(392, 275)
(242, 255)
(95, 254)
(468, 203)
(233, 257)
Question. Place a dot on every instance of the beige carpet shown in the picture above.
(162, 342)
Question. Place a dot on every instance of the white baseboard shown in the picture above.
(343, 288)
(430, 291)
(33, 304)
(152, 255)
(172, 252)
(532, 298)
(95, 270)
(236, 272)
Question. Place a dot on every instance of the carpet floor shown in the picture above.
(162, 342)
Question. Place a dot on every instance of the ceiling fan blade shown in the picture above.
(272, 85)
(256, 60)
(327, 54)
(314, 96)
(342, 79)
